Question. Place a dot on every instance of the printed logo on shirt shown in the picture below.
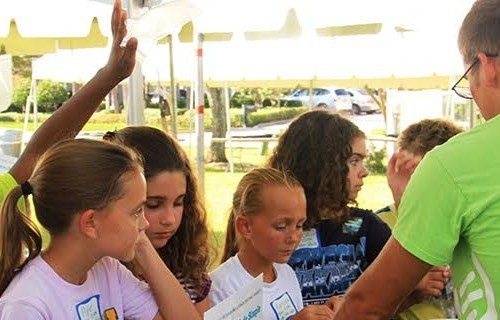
(110, 314)
(283, 307)
(352, 226)
(89, 309)
(326, 271)
(309, 239)
(474, 296)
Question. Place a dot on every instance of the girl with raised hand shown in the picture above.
(90, 196)
(264, 228)
(174, 210)
(70, 118)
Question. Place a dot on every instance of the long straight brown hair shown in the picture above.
(71, 177)
(188, 253)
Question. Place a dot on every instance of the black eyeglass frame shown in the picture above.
(476, 61)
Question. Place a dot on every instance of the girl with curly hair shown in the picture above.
(325, 152)
(174, 210)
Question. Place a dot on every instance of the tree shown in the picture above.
(380, 98)
(217, 152)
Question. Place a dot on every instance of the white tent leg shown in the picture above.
(135, 110)
(35, 108)
(199, 128)
(228, 131)
(173, 92)
(27, 108)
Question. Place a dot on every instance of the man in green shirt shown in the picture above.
(450, 211)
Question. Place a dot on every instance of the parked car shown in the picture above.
(362, 102)
(334, 98)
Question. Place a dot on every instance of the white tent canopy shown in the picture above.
(55, 18)
(280, 62)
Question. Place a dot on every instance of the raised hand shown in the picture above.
(399, 171)
(121, 60)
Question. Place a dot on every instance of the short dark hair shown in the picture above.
(423, 136)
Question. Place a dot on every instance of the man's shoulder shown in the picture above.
(482, 138)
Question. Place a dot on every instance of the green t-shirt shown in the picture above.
(7, 183)
(450, 213)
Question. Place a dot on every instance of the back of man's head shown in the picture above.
(421, 137)
(480, 31)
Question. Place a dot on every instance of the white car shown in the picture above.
(334, 98)
(362, 102)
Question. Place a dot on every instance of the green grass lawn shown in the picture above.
(219, 188)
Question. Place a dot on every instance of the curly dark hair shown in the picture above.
(315, 149)
(421, 137)
(188, 252)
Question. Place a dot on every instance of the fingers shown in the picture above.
(391, 166)
(115, 16)
(118, 23)
(321, 312)
(434, 288)
(439, 274)
(334, 303)
(130, 51)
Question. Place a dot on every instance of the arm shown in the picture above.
(203, 306)
(172, 300)
(68, 120)
(371, 296)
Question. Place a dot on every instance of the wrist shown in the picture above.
(107, 78)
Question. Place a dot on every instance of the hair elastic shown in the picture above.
(26, 188)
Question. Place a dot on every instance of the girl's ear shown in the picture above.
(243, 226)
(87, 224)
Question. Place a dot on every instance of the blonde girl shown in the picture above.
(264, 228)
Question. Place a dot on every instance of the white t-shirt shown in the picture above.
(110, 292)
(282, 297)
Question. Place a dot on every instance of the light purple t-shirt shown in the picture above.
(110, 292)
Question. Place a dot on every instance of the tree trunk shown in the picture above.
(380, 100)
(217, 152)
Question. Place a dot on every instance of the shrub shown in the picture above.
(375, 161)
(273, 114)
(20, 94)
(51, 95)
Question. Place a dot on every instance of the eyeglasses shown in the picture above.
(461, 87)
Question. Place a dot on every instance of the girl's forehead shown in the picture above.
(358, 144)
(282, 199)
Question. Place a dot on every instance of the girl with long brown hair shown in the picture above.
(174, 209)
